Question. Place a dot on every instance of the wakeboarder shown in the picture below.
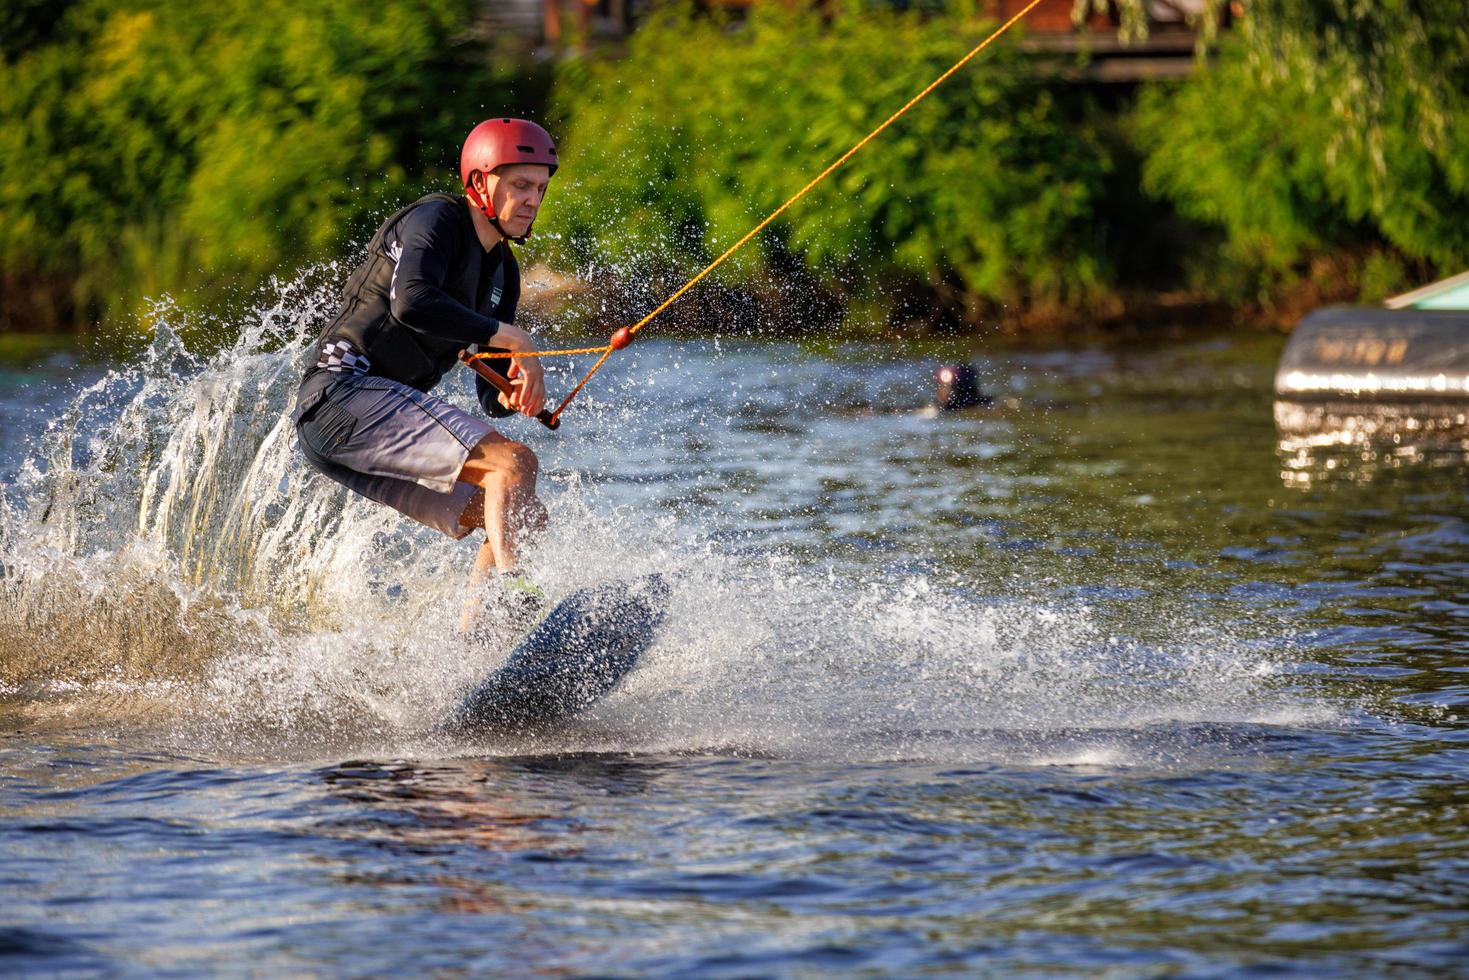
(439, 279)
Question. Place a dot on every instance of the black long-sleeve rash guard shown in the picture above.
(429, 241)
(424, 293)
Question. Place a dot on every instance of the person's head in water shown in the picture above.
(958, 387)
(506, 165)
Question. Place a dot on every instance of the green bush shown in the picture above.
(151, 146)
(1325, 126)
(674, 151)
(157, 146)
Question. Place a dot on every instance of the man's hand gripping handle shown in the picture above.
(503, 385)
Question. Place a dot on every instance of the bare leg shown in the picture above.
(484, 561)
(505, 506)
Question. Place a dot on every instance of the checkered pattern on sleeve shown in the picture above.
(340, 356)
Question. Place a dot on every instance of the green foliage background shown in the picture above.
(152, 147)
(1326, 125)
(989, 188)
(161, 146)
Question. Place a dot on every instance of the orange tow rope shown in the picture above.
(624, 335)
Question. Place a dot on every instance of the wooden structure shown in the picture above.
(1168, 52)
(549, 22)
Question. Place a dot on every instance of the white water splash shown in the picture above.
(169, 555)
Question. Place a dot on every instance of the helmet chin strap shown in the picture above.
(479, 202)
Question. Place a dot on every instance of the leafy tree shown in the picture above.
(1326, 124)
(151, 145)
(985, 189)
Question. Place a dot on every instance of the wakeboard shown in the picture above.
(575, 657)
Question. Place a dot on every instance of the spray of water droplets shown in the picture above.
(169, 560)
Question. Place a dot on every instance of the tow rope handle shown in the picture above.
(505, 387)
(551, 420)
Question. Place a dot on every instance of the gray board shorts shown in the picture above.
(391, 443)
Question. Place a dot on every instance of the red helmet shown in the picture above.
(496, 142)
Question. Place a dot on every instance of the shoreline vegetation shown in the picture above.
(146, 151)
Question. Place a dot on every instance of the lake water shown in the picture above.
(1104, 680)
